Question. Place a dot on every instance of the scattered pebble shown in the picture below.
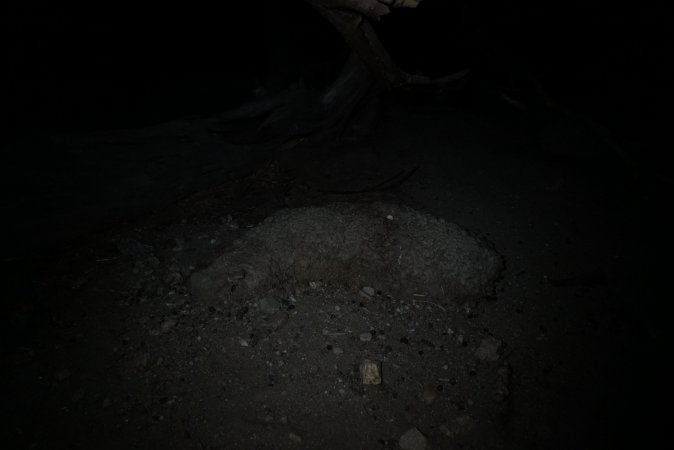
(370, 373)
(412, 440)
(365, 337)
(243, 342)
(337, 350)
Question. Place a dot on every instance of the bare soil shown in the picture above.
(106, 346)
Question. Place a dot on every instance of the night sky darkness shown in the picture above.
(99, 66)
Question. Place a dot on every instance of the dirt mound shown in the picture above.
(395, 249)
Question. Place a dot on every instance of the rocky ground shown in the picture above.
(104, 345)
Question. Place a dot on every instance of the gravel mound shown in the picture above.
(395, 249)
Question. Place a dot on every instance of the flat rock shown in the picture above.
(412, 440)
(268, 305)
(489, 349)
(370, 373)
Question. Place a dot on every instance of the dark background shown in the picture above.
(116, 64)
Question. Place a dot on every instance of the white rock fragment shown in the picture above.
(412, 440)
(365, 337)
(369, 372)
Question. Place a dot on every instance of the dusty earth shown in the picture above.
(105, 345)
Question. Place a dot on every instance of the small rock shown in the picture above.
(142, 360)
(412, 440)
(180, 245)
(365, 337)
(462, 425)
(243, 342)
(428, 396)
(368, 291)
(370, 373)
(167, 324)
(134, 248)
(502, 387)
(78, 395)
(488, 349)
(62, 374)
(23, 356)
(337, 350)
(294, 437)
(268, 305)
(79, 283)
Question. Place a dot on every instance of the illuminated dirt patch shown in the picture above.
(393, 248)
